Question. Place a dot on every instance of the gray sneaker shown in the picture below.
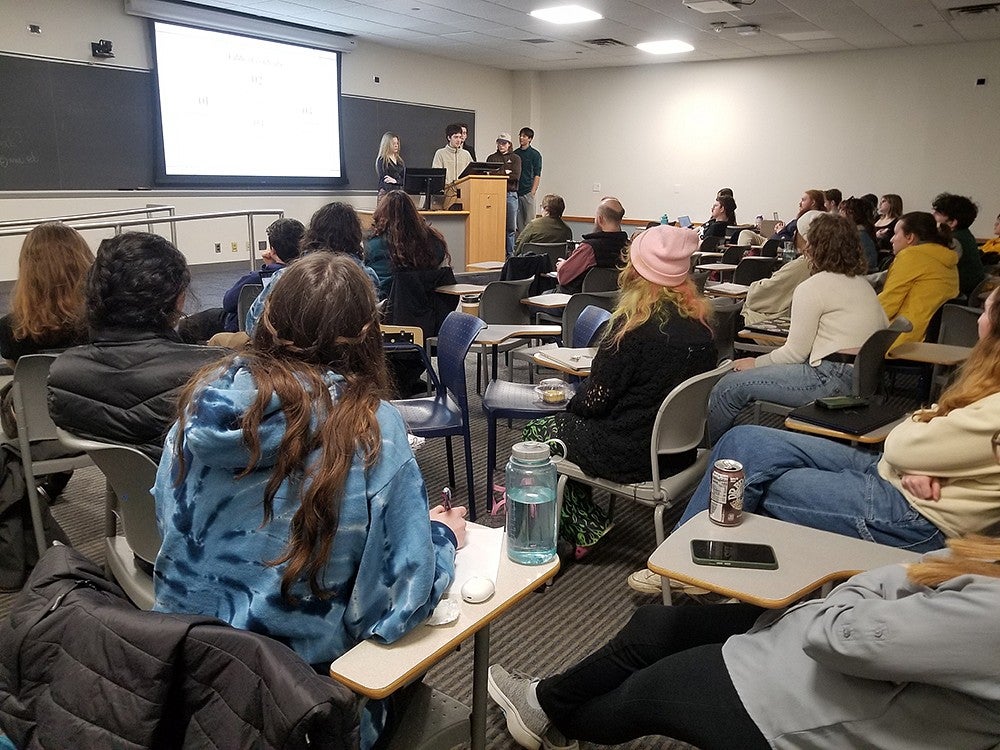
(526, 725)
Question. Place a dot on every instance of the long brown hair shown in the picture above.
(973, 554)
(320, 317)
(412, 241)
(979, 376)
(48, 294)
(640, 299)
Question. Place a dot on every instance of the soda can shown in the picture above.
(726, 496)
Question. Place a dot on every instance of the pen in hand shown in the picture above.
(446, 498)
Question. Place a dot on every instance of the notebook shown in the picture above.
(773, 326)
(854, 421)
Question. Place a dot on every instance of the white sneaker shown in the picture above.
(646, 581)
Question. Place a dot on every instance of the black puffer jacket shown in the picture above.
(123, 387)
(81, 667)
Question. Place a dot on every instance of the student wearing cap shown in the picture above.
(833, 310)
(658, 336)
(512, 168)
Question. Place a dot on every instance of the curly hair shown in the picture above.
(284, 236)
(979, 375)
(48, 293)
(835, 246)
(334, 228)
(411, 240)
(135, 283)
(320, 317)
(858, 211)
(956, 207)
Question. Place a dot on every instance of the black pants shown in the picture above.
(663, 674)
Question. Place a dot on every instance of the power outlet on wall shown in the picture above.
(218, 247)
(235, 246)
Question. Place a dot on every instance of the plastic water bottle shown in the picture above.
(664, 219)
(532, 518)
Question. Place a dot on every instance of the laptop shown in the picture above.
(858, 421)
(684, 221)
(772, 326)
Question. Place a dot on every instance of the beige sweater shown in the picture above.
(772, 297)
(955, 448)
(830, 312)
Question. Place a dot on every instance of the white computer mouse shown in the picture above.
(477, 589)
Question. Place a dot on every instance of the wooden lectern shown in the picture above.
(485, 198)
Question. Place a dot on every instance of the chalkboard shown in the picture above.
(88, 127)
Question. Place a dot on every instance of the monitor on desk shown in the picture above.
(424, 180)
(482, 168)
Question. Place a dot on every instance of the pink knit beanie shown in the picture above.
(662, 254)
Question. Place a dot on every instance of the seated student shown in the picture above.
(283, 238)
(923, 275)
(833, 200)
(935, 480)
(857, 211)
(903, 656)
(811, 200)
(46, 307)
(602, 247)
(122, 387)
(958, 212)
(993, 245)
(890, 208)
(658, 336)
(401, 239)
(772, 297)
(334, 228)
(288, 497)
(723, 216)
(549, 227)
(834, 309)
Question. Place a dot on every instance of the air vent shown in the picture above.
(984, 9)
(605, 42)
(537, 41)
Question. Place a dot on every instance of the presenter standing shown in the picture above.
(512, 168)
(531, 174)
(453, 159)
(389, 165)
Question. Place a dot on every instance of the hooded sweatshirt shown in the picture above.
(388, 564)
(921, 279)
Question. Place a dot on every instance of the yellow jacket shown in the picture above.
(921, 279)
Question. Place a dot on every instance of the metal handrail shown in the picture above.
(148, 210)
(173, 220)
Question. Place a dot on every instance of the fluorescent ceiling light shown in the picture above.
(665, 47)
(566, 14)
(712, 6)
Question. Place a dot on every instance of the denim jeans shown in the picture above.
(790, 385)
(662, 674)
(511, 222)
(818, 483)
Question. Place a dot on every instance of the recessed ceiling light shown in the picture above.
(711, 6)
(665, 47)
(566, 14)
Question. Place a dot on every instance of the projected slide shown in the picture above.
(236, 107)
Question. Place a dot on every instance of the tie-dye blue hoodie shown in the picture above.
(389, 564)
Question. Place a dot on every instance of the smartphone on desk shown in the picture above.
(733, 554)
(841, 402)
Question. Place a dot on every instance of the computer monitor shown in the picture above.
(482, 167)
(425, 180)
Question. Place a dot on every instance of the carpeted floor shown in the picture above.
(587, 604)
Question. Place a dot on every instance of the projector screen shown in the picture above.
(234, 110)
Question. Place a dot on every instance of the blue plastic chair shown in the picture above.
(446, 413)
(506, 400)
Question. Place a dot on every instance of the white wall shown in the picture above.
(664, 138)
(68, 27)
